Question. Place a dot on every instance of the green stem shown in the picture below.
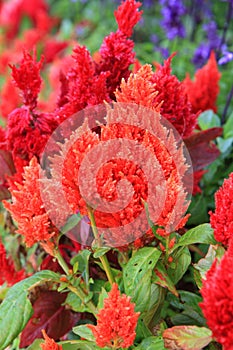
(76, 290)
(80, 293)
(103, 258)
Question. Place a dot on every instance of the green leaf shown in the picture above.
(79, 345)
(82, 258)
(181, 262)
(71, 223)
(224, 144)
(187, 337)
(142, 331)
(152, 343)
(76, 303)
(208, 119)
(205, 263)
(161, 278)
(200, 234)
(142, 261)
(103, 295)
(228, 127)
(36, 344)
(84, 332)
(101, 251)
(16, 309)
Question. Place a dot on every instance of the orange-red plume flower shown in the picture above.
(49, 343)
(116, 322)
(27, 207)
(222, 219)
(203, 91)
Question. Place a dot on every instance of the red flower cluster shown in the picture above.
(217, 305)
(8, 273)
(27, 129)
(49, 343)
(222, 219)
(119, 168)
(175, 106)
(203, 91)
(116, 322)
(27, 208)
(162, 91)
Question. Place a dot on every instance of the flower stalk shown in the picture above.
(103, 258)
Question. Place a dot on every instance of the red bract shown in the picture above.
(217, 305)
(116, 322)
(203, 91)
(222, 219)
(27, 79)
(127, 16)
(172, 96)
(28, 209)
(49, 343)
(116, 53)
(8, 273)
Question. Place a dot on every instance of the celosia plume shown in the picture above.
(203, 91)
(8, 273)
(172, 95)
(116, 322)
(27, 208)
(49, 343)
(27, 79)
(217, 305)
(222, 218)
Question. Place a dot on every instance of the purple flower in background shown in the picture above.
(226, 58)
(172, 12)
(201, 55)
(213, 38)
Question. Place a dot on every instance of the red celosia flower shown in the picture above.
(8, 273)
(175, 105)
(139, 89)
(85, 87)
(27, 79)
(49, 343)
(116, 53)
(9, 98)
(160, 91)
(217, 305)
(127, 16)
(116, 322)
(119, 168)
(27, 208)
(203, 91)
(222, 219)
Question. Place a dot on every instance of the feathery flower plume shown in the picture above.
(217, 305)
(203, 91)
(8, 273)
(28, 209)
(116, 322)
(222, 219)
(49, 343)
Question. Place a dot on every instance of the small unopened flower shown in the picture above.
(116, 322)
(49, 343)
